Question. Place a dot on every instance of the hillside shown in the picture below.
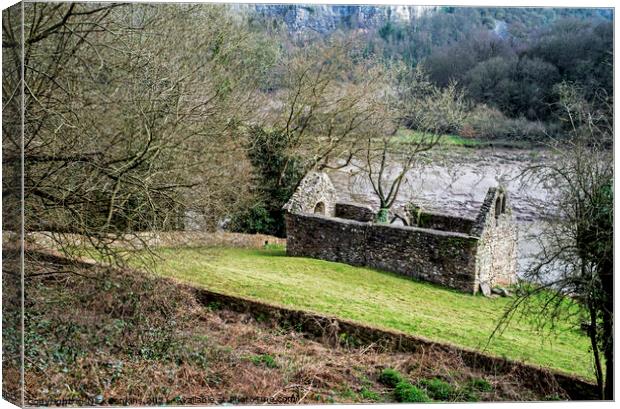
(130, 338)
(376, 298)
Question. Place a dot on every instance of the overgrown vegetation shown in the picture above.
(407, 393)
(575, 263)
(390, 377)
(433, 389)
(278, 171)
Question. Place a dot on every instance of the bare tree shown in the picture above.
(572, 279)
(415, 102)
(132, 115)
(326, 102)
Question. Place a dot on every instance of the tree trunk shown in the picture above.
(608, 351)
(592, 332)
(607, 281)
(382, 215)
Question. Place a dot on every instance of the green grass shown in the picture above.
(264, 359)
(409, 136)
(456, 141)
(390, 377)
(368, 394)
(380, 299)
(438, 389)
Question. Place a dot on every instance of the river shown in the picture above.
(456, 180)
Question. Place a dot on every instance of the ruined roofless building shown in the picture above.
(469, 255)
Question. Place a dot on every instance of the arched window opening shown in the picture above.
(319, 208)
(498, 207)
(503, 204)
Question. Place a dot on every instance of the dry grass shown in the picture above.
(112, 335)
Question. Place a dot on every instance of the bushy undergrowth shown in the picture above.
(390, 377)
(406, 392)
(434, 389)
(489, 123)
(438, 389)
(276, 175)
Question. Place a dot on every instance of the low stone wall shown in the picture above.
(354, 212)
(316, 326)
(442, 222)
(163, 239)
(446, 258)
(326, 238)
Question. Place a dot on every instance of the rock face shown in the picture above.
(328, 18)
(465, 254)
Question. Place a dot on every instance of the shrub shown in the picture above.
(406, 392)
(367, 394)
(438, 389)
(390, 377)
(468, 131)
(264, 359)
(276, 174)
(528, 130)
(484, 122)
(480, 384)
(256, 219)
(489, 123)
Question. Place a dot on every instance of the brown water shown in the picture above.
(456, 181)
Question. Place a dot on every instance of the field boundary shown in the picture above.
(336, 331)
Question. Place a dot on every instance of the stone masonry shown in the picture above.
(469, 255)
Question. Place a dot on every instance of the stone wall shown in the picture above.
(464, 254)
(326, 238)
(446, 258)
(497, 248)
(354, 212)
(315, 194)
(442, 222)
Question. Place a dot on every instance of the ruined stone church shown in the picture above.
(470, 255)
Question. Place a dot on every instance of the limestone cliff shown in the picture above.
(327, 18)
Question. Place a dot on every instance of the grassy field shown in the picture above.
(376, 298)
(409, 136)
(456, 141)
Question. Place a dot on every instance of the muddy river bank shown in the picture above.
(455, 181)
